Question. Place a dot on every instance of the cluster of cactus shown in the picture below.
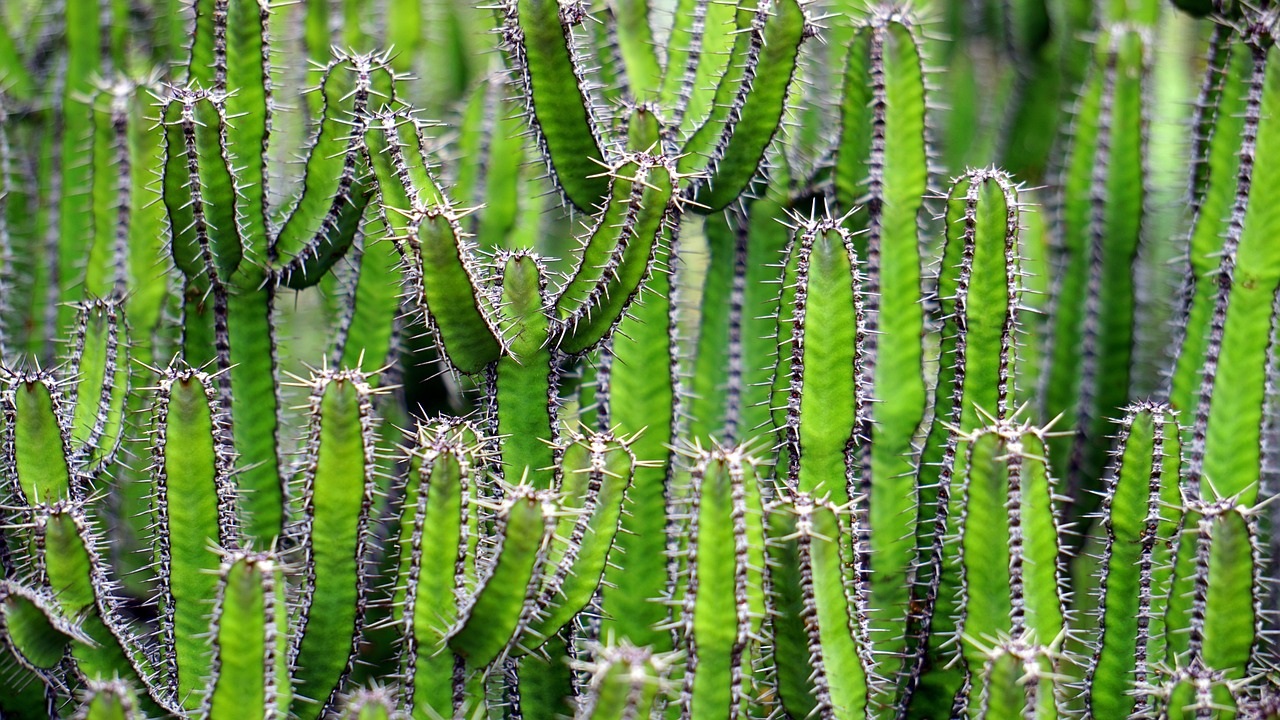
(663, 374)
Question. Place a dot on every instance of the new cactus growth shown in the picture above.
(642, 380)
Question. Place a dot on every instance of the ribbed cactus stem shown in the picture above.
(723, 608)
(1104, 199)
(332, 534)
(440, 530)
(100, 365)
(818, 609)
(1141, 517)
(1017, 682)
(108, 700)
(194, 506)
(37, 440)
(1225, 446)
(979, 289)
(820, 395)
(1007, 547)
(249, 626)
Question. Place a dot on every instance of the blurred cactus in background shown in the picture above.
(631, 359)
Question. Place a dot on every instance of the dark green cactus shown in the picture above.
(311, 407)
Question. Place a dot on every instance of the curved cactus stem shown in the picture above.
(335, 495)
(250, 640)
(723, 608)
(108, 700)
(439, 532)
(37, 440)
(1141, 517)
(352, 87)
(596, 473)
(71, 562)
(194, 506)
(821, 647)
(504, 600)
(626, 682)
(523, 383)
(979, 289)
(1104, 198)
(618, 255)
(101, 371)
(426, 225)
(700, 58)
(820, 396)
(538, 37)
(755, 112)
(83, 37)
(35, 629)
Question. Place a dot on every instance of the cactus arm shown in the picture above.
(1016, 681)
(546, 680)
(1230, 424)
(819, 373)
(36, 443)
(439, 532)
(101, 367)
(1141, 517)
(819, 625)
(352, 87)
(525, 379)
(1008, 549)
(336, 494)
(1224, 619)
(71, 562)
(723, 605)
(33, 626)
(1116, 200)
(717, 372)
(194, 507)
(594, 485)
(333, 240)
(250, 629)
(203, 41)
(427, 227)
(501, 604)
(763, 246)
(538, 35)
(776, 36)
(619, 254)
(245, 64)
(637, 397)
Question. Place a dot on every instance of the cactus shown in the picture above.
(311, 407)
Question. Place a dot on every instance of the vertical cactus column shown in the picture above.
(1141, 517)
(723, 608)
(979, 289)
(821, 649)
(1104, 189)
(882, 164)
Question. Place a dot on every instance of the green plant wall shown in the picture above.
(626, 359)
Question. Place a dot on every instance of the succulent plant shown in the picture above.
(665, 372)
